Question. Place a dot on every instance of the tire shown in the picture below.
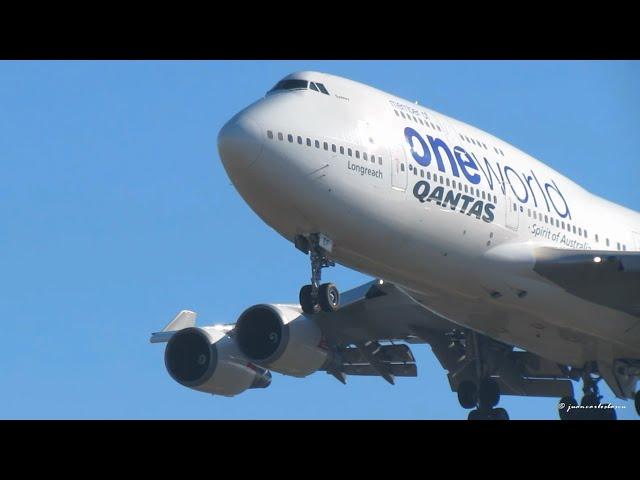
(488, 393)
(329, 297)
(589, 399)
(564, 412)
(476, 415)
(306, 302)
(499, 414)
(467, 394)
(609, 414)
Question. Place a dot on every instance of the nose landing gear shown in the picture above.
(316, 296)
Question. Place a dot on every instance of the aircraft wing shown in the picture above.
(375, 316)
(611, 279)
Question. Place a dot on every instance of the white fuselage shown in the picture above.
(447, 211)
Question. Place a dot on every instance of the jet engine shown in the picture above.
(281, 338)
(208, 360)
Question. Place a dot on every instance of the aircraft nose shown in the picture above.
(240, 142)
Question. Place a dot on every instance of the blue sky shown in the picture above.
(116, 213)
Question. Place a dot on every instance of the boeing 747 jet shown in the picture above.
(520, 281)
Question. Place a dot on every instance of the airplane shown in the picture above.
(521, 281)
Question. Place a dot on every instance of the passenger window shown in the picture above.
(546, 219)
(380, 160)
(447, 182)
(422, 173)
(529, 212)
(290, 138)
(618, 245)
(280, 137)
(402, 167)
(364, 155)
(574, 229)
(349, 152)
(597, 238)
(317, 144)
(270, 134)
(357, 154)
(453, 183)
(483, 195)
(325, 146)
(300, 140)
(341, 150)
(333, 148)
(607, 242)
(466, 189)
(309, 142)
(397, 114)
(429, 175)
(579, 231)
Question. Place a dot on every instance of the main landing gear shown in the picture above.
(316, 296)
(590, 407)
(482, 392)
(485, 396)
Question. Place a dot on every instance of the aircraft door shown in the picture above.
(399, 169)
(512, 217)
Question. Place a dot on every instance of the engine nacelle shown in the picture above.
(208, 360)
(281, 338)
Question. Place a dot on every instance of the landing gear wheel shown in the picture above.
(638, 402)
(306, 300)
(329, 297)
(609, 414)
(499, 414)
(467, 394)
(476, 415)
(565, 408)
(488, 393)
(589, 400)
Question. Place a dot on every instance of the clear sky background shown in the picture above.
(116, 214)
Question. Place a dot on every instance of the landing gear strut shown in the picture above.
(590, 407)
(316, 296)
(481, 394)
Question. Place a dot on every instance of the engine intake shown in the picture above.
(207, 360)
(281, 338)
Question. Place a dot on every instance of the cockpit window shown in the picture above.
(292, 84)
(298, 84)
(322, 89)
